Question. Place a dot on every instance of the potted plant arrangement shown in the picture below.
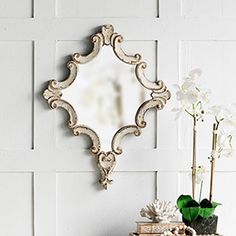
(199, 214)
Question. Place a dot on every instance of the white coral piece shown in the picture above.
(159, 211)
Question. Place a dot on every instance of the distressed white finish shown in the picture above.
(58, 151)
(106, 161)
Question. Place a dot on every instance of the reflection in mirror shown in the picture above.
(106, 95)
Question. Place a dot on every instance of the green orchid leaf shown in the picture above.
(183, 200)
(192, 203)
(205, 203)
(206, 212)
(215, 204)
(190, 213)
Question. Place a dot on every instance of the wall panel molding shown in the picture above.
(34, 36)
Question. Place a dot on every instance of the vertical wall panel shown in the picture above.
(17, 83)
(84, 208)
(16, 8)
(16, 204)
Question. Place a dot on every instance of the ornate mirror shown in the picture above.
(97, 90)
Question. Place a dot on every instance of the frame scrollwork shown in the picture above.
(159, 95)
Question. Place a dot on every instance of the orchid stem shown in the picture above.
(200, 194)
(213, 157)
(194, 163)
(189, 113)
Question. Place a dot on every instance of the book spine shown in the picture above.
(134, 234)
(152, 228)
(157, 234)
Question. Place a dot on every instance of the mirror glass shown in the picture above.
(106, 95)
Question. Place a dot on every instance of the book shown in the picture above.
(135, 234)
(157, 228)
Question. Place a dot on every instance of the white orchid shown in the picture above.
(191, 96)
(219, 112)
(200, 174)
(228, 126)
(193, 100)
(229, 122)
(225, 117)
(194, 74)
(224, 144)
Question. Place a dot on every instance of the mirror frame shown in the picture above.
(106, 161)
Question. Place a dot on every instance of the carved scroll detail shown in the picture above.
(82, 129)
(157, 85)
(98, 42)
(71, 65)
(106, 164)
(118, 136)
(132, 60)
(106, 161)
(66, 106)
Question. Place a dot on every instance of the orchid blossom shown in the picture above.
(225, 117)
(194, 101)
(191, 96)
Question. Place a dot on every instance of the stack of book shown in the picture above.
(157, 229)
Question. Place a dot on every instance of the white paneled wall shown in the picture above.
(17, 94)
(85, 211)
(12, 9)
(48, 181)
(206, 8)
(111, 8)
(16, 203)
